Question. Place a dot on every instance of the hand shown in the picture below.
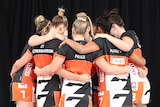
(126, 72)
(64, 42)
(85, 77)
(37, 71)
(12, 74)
(142, 71)
(123, 74)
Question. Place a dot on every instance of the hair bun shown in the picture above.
(107, 13)
(82, 16)
(61, 11)
(114, 11)
(39, 19)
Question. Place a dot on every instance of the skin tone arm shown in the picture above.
(136, 59)
(56, 67)
(82, 49)
(124, 45)
(142, 71)
(35, 40)
(112, 69)
(20, 63)
(72, 76)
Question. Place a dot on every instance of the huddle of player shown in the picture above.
(102, 66)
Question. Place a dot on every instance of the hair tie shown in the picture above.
(82, 19)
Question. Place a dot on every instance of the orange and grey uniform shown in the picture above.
(114, 90)
(24, 82)
(140, 86)
(76, 93)
(48, 86)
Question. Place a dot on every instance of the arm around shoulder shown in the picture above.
(35, 40)
(112, 69)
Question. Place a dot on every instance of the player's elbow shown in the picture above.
(32, 40)
(143, 61)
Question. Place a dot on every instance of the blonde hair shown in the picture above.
(91, 27)
(41, 23)
(82, 23)
(61, 12)
(39, 19)
(60, 18)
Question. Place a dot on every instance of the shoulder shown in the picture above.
(129, 33)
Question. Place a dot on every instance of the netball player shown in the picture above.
(140, 83)
(23, 84)
(100, 27)
(42, 28)
(26, 89)
(59, 30)
(24, 92)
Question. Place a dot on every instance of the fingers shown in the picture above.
(141, 74)
(142, 71)
(86, 77)
(64, 42)
(123, 74)
(35, 70)
(12, 75)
